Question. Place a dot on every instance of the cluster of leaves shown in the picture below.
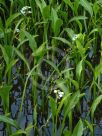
(38, 39)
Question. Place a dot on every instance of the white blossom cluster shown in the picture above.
(26, 10)
(59, 93)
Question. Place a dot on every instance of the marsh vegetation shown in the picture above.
(50, 67)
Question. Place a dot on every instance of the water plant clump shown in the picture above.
(50, 68)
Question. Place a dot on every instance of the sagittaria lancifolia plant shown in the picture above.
(64, 40)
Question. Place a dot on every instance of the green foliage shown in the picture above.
(87, 6)
(95, 104)
(4, 93)
(78, 130)
(56, 22)
(79, 69)
(8, 120)
(56, 48)
(53, 106)
(22, 57)
(98, 71)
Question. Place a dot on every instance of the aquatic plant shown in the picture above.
(50, 67)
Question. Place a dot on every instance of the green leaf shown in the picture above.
(79, 68)
(63, 40)
(8, 121)
(63, 15)
(98, 71)
(3, 32)
(11, 18)
(77, 18)
(35, 114)
(53, 106)
(7, 52)
(18, 132)
(87, 6)
(78, 130)
(22, 43)
(10, 65)
(61, 84)
(54, 17)
(89, 126)
(24, 90)
(68, 2)
(22, 57)
(32, 42)
(10, 52)
(43, 8)
(4, 93)
(96, 8)
(53, 65)
(70, 32)
(5, 55)
(80, 48)
(65, 98)
(69, 105)
(96, 30)
(98, 86)
(57, 26)
(56, 22)
(46, 15)
(71, 102)
(95, 104)
(40, 51)
(89, 43)
(67, 133)
(90, 65)
(28, 129)
(76, 5)
(75, 83)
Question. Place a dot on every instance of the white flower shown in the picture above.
(29, 12)
(17, 30)
(75, 37)
(26, 10)
(55, 91)
(60, 94)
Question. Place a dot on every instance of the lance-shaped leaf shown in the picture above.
(95, 104)
(87, 6)
(56, 22)
(8, 120)
(79, 68)
(78, 130)
(53, 106)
